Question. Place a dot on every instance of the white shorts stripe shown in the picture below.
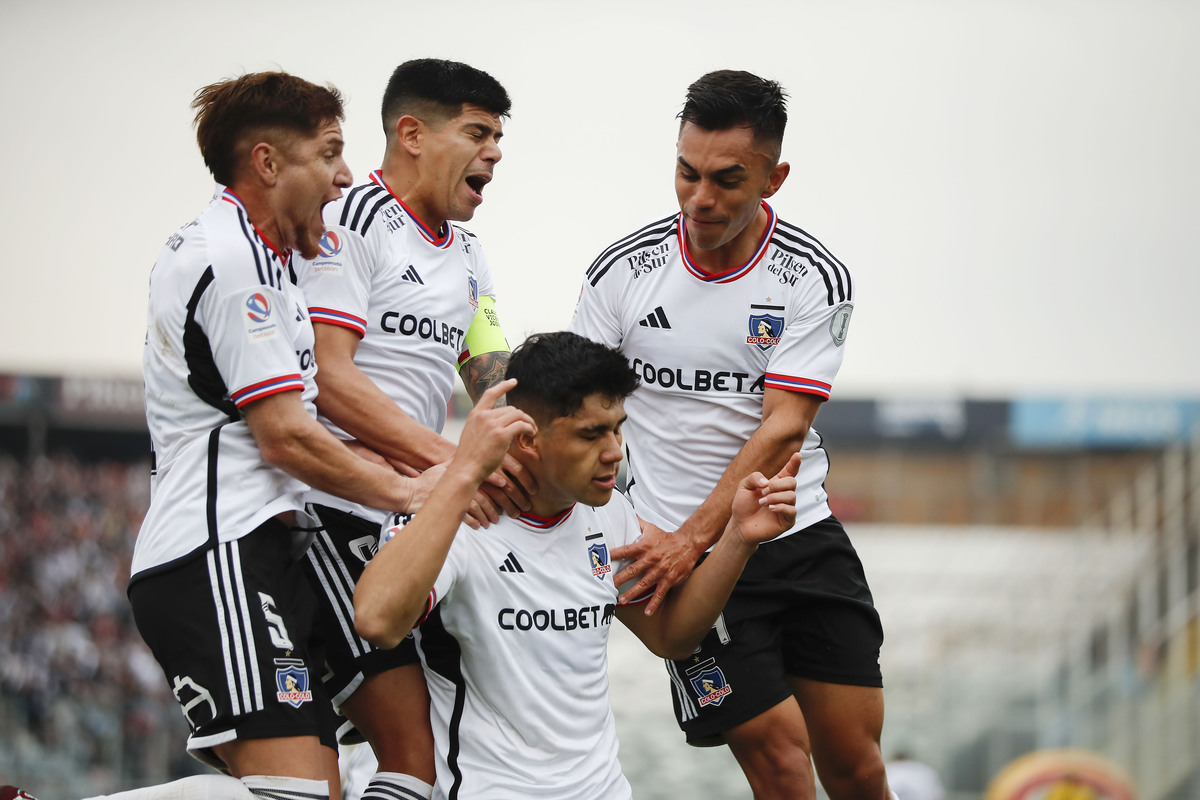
(338, 587)
(687, 709)
(251, 647)
(226, 647)
(239, 649)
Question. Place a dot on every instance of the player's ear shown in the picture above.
(264, 163)
(409, 132)
(776, 178)
(529, 445)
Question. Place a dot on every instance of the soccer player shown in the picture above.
(400, 297)
(736, 322)
(216, 588)
(517, 617)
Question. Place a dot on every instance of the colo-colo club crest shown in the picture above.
(765, 329)
(711, 686)
(291, 681)
(598, 553)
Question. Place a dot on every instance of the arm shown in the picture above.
(663, 559)
(299, 445)
(394, 588)
(761, 510)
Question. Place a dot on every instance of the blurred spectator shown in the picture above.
(75, 674)
(912, 780)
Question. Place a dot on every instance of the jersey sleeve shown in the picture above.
(624, 529)
(248, 333)
(452, 568)
(810, 351)
(597, 315)
(337, 286)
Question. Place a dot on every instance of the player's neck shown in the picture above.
(548, 507)
(406, 185)
(733, 253)
(258, 210)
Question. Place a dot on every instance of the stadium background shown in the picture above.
(1012, 183)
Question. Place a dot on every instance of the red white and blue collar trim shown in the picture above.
(545, 523)
(229, 197)
(729, 275)
(430, 236)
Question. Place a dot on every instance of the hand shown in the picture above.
(511, 487)
(662, 559)
(763, 509)
(488, 432)
(367, 454)
(423, 484)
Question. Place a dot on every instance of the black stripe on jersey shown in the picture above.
(203, 376)
(385, 789)
(210, 504)
(443, 655)
(655, 233)
(812, 248)
(383, 201)
(263, 257)
(353, 198)
(808, 256)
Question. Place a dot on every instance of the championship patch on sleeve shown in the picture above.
(840, 324)
(259, 315)
(327, 261)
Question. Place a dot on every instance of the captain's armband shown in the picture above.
(485, 334)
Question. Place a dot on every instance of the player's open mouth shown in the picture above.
(476, 183)
(608, 482)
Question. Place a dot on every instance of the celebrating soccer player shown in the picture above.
(400, 297)
(736, 323)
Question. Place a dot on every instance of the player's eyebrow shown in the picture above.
(486, 130)
(720, 173)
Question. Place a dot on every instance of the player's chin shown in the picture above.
(600, 492)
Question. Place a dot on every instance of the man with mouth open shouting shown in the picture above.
(400, 297)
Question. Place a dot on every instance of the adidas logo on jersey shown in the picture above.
(511, 564)
(410, 274)
(656, 319)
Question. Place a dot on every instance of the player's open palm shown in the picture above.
(488, 432)
(763, 509)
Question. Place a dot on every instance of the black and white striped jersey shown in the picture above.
(515, 651)
(226, 326)
(706, 346)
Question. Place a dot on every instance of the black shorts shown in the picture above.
(339, 553)
(231, 630)
(801, 608)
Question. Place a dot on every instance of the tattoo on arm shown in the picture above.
(482, 372)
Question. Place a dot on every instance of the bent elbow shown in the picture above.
(373, 626)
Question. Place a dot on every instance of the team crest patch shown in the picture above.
(258, 312)
(598, 553)
(841, 323)
(330, 244)
(291, 681)
(765, 330)
(472, 292)
(711, 686)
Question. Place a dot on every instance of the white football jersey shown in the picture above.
(515, 651)
(706, 346)
(408, 293)
(226, 326)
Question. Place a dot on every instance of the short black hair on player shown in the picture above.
(730, 98)
(434, 89)
(259, 106)
(557, 371)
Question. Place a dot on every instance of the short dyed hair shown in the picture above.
(557, 371)
(233, 115)
(731, 98)
(434, 90)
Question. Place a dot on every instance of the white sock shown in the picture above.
(197, 787)
(269, 787)
(396, 786)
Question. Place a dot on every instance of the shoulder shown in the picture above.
(658, 234)
(804, 255)
(358, 210)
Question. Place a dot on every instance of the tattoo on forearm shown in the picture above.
(482, 372)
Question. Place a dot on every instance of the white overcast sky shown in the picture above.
(1015, 185)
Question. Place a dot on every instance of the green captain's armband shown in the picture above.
(485, 334)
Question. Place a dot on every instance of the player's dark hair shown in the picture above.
(731, 98)
(555, 372)
(259, 106)
(433, 89)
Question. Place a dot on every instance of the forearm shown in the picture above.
(692, 607)
(483, 371)
(353, 402)
(394, 588)
(766, 451)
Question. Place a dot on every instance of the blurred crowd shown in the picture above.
(75, 679)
